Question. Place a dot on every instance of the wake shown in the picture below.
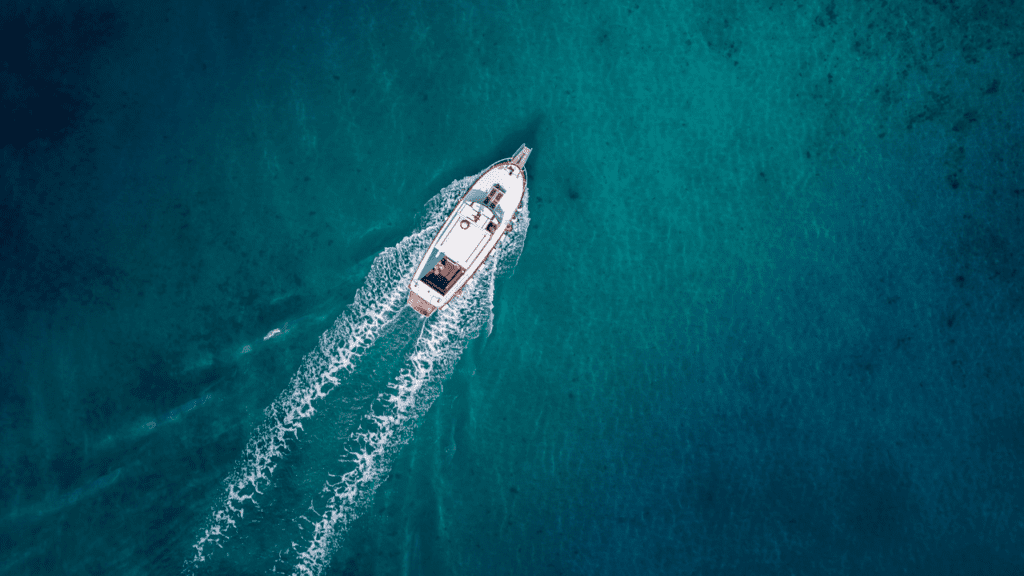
(377, 307)
(409, 396)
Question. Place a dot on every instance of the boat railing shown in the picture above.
(521, 155)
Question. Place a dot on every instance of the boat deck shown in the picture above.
(470, 233)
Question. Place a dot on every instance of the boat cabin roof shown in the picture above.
(467, 233)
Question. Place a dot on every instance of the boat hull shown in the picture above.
(470, 234)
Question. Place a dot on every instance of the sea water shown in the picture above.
(763, 315)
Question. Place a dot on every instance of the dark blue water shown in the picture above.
(764, 317)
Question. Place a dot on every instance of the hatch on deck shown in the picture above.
(494, 196)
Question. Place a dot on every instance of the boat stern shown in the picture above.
(420, 305)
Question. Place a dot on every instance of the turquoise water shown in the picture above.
(764, 316)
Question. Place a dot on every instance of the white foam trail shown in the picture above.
(389, 425)
(376, 304)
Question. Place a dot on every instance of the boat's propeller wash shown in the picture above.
(377, 321)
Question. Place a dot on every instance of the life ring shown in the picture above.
(464, 224)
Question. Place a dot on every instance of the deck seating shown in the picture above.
(443, 275)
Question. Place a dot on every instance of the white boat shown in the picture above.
(470, 233)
